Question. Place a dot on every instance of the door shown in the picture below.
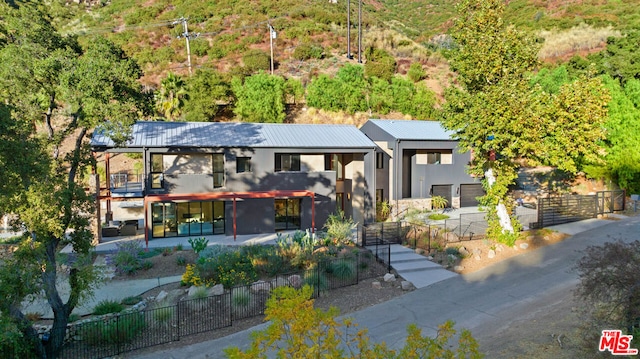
(287, 213)
(468, 194)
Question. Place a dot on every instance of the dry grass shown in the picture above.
(583, 37)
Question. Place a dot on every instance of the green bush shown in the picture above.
(240, 297)
(128, 257)
(163, 313)
(198, 244)
(214, 251)
(343, 269)
(316, 280)
(131, 300)
(339, 228)
(12, 342)
(116, 330)
(379, 64)
(229, 269)
(256, 60)
(107, 306)
(308, 51)
(416, 72)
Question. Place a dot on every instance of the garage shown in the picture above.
(468, 194)
(442, 191)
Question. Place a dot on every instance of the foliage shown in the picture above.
(438, 202)
(131, 300)
(191, 276)
(256, 60)
(198, 244)
(307, 51)
(171, 98)
(117, 330)
(339, 228)
(346, 91)
(127, 257)
(297, 330)
(498, 115)
(380, 64)
(299, 249)
(617, 60)
(316, 279)
(260, 98)
(13, 342)
(609, 288)
(416, 73)
(214, 251)
(344, 269)
(107, 306)
(383, 210)
(206, 88)
(437, 216)
(240, 297)
(229, 269)
(162, 312)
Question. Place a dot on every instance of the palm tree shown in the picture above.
(172, 96)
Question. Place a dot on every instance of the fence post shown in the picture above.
(389, 257)
(357, 267)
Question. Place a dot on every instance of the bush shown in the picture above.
(307, 51)
(240, 297)
(127, 258)
(12, 342)
(229, 269)
(343, 269)
(131, 300)
(416, 72)
(198, 244)
(163, 313)
(107, 306)
(116, 330)
(315, 279)
(214, 251)
(339, 228)
(256, 60)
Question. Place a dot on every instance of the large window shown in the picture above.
(287, 162)
(218, 170)
(429, 157)
(287, 213)
(157, 169)
(187, 218)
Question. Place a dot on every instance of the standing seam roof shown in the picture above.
(414, 129)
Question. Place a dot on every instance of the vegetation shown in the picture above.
(493, 63)
(107, 306)
(128, 257)
(609, 289)
(46, 76)
(198, 244)
(297, 330)
(339, 229)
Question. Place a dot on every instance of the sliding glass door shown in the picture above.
(287, 213)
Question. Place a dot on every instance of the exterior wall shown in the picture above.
(383, 179)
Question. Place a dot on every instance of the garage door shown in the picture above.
(442, 191)
(468, 194)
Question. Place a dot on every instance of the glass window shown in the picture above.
(156, 163)
(287, 162)
(333, 162)
(243, 164)
(379, 160)
(218, 170)
(287, 213)
(433, 158)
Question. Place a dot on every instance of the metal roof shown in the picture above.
(238, 134)
(414, 130)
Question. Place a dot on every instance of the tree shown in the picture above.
(260, 98)
(206, 88)
(171, 98)
(297, 330)
(56, 92)
(498, 115)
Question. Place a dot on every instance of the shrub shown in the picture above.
(162, 312)
(256, 60)
(191, 276)
(438, 202)
(121, 329)
(228, 269)
(315, 279)
(307, 51)
(12, 342)
(379, 64)
(73, 317)
(214, 251)
(343, 269)
(33, 316)
(127, 258)
(339, 228)
(240, 297)
(454, 251)
(198, 244)
(416, 72)
(107, 306)
(131, 300)
(200, 293)
(438, 216)
(179, 247)
(181, 261)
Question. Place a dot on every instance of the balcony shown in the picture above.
(124, 185)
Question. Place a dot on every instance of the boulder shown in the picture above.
(161, 296)
(406, 285)
(491, 254)
(217, 289)
(376, 285)
(295, 281)
(389, 277)
(524, 245)
(458, 268)
(260, 286)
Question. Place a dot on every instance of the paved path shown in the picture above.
(486, 300)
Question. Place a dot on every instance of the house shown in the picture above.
(417, 160)
(202, 178)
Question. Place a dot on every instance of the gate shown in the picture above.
(610, 201)
(384, 232)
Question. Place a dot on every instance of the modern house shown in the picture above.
(417, 160)
(238, 178)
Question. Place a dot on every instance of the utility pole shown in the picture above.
(272, 35)
(349, 30)
(360, 31)
(186, 36)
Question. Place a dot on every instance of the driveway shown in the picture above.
(486, 302)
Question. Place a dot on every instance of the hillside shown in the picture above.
(221, 32)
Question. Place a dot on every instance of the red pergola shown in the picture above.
(226, 195)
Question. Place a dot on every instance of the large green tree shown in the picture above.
(206, 89)
(171, 98)
(55, 93)
(260, 98)
(497, 114)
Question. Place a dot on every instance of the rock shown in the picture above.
(193, 290)
(499, 248)
(419, 251)
(463, 252)
(260, 286)
(458, 268)
(406, 285)
(161, 296)
(491, 254)
(389, 277)
(524, 245)
(376, 285)
(217, 289)
(546, 238)
(430, 258)
(295, 281)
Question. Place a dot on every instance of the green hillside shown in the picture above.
(221, 32)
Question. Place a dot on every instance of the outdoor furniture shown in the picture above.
(133, 222)
(110, 231)
(129, 230)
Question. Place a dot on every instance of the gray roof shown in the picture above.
(414, 129)
(234, 134)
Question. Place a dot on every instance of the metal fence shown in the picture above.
(119, 333)
(384, 232)
(468, 226)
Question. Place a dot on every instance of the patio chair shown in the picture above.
(128, 230)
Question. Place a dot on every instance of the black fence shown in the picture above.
(610, 201)
(119, 333)
(384, 233)
(467, 227)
